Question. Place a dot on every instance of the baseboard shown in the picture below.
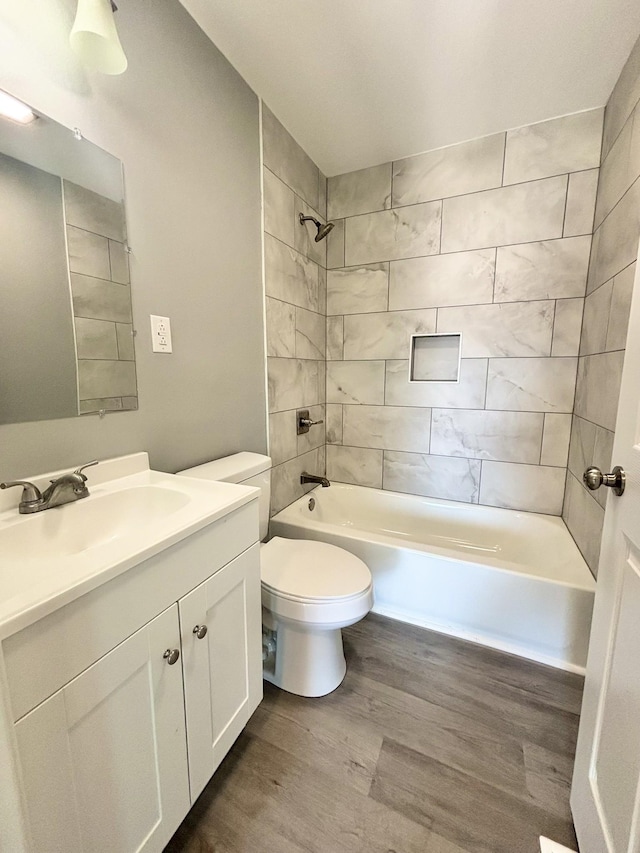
(547, 846)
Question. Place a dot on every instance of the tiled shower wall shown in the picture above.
(295, 287)
(490, 238)
(606, 314)
(101, 292)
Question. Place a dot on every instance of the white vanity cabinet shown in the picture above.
(121, 713)
(104, 760)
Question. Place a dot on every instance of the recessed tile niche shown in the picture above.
(435, 358)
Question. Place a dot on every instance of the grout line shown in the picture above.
(553, 328)
(504, 158)
(626, 192)
(566, 205)
(544, 426)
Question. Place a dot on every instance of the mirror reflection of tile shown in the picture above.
(99, 268)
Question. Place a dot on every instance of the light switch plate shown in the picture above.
(161, 334)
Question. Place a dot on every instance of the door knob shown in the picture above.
(594, 478)
(171, 656)
(200, 631)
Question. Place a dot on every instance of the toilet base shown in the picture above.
(307, 662)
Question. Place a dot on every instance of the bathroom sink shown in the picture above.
(49, 558)
(89, 523)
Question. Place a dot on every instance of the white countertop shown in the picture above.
(32, 586)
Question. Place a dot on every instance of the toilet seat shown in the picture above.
(305, 571)
(293, 570)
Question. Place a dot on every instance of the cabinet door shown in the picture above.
(223, 669)
(104, 759)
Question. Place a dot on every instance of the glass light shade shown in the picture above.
(94, 37)
(14, 109)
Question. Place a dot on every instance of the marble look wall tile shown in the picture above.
(100, 300)
(88, 253)
(335, 338)
(581, 203)
(620, 167)
(432, 476)
(581, 446)
(355, 382)
(532, 384)
(294, 383)
(93, 212)
(551, 269)
(387, 427)
(281, 328)
(287, 159)
(598, 388)
(518, 214)
(463, 278)
(504, 436)
(615, 242)
(357, 290)
(335, 246)
(555, 440)
(124, 332)
(316, 435)
(279, 208)
(566, 327)
(96, 339)
(357, 465)
(310, 334)
(386, 335)
(602, 458)
(363, 191)
(322, 290)
(596, 319)
(285, 479)
(283, 443)
(530, 488)
(567, 144)
(101, 378)
(620, 308)
(322, 194)
(334, 423)
(119, 262)
(467, 393)
(506, 329)
(305, 232)
(585, 519)
(623, 99)
(289, 276)
(393, 234)
(455, 170)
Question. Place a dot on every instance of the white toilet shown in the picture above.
(310, 591)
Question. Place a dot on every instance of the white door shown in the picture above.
(605, 796)
(104, 760)
(221, 624)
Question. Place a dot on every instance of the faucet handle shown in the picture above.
(29, 491)
(82, 467)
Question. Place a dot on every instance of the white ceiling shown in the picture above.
(361, 82)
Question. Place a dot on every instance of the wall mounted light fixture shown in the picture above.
(15, 110)
(94, 37)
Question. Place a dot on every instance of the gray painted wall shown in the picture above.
(186, 127)
(37, 350)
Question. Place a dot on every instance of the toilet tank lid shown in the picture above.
(231, 469)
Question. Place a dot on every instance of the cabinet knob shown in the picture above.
(171, 656)
(200, 631)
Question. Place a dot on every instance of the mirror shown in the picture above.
(66, 330)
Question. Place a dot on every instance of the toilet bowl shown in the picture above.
(310, 591)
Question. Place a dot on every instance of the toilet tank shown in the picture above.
(248, 469)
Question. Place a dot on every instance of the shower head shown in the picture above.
(323, 230)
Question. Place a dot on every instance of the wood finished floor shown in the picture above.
(430, 745)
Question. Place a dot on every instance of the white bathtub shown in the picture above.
(511, 580)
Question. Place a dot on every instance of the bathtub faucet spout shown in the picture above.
(314, 478)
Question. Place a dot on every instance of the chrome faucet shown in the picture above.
(65, 489)
(314, 478)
